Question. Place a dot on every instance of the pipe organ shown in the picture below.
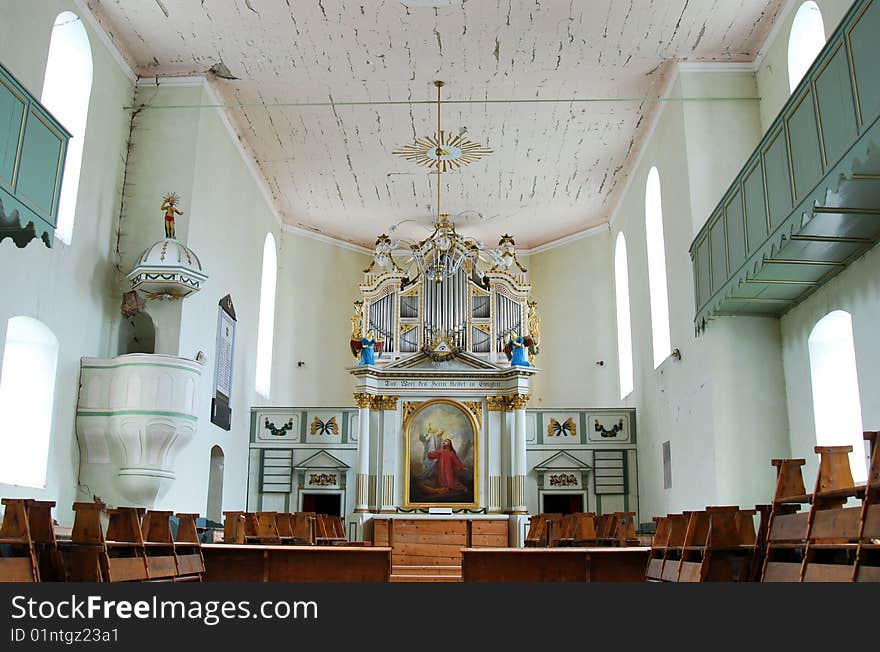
(470, 311)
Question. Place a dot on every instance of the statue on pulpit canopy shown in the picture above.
(169, 205)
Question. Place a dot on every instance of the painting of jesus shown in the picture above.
(441, 454)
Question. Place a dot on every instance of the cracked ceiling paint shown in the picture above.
(558, 168)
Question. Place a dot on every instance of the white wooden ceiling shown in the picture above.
(558, 167)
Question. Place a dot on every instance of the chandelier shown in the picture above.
(443, 253)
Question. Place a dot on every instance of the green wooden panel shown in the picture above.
(736, 232)
(704, 286)
(11, 117)
(837, 112)
(755, 208)
(778, 179)
(38, 173)
(718, 247)
(865, 46)
(803, 136)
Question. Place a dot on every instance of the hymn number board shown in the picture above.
(221, 412)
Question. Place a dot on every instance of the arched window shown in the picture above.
(266, 327)
(836, 405)
(805, 42)
(624, 330)
(27, 398)
(657, 269)
(67, 87)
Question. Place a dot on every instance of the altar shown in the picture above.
(410, 409)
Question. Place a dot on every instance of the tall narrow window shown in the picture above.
(67, 87)
(27, 398)
(836, 405)
(624, 329)
(266, 327)
(805, 42)
(657, 269)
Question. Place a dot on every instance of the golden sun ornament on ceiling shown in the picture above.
(442, 151)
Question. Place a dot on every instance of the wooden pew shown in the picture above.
(260, 528)
(788, 527)
(125, 556)
(42, 530)
(234, 527)
(678, 524)
(254, 563)
(559, 564)
(868, 554)
(330, 531)
(654, 571)
(21, 564)
(159, 546)
(540, 530)
(833, 533)
(284, 524)
(304, 528)
(188, 550)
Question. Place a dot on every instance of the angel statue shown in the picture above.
(516, 348)
(368, 348)
(169, 205)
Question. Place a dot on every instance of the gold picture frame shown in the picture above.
(431, 422)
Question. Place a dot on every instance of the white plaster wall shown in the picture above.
(71, 288)
(575, 302)
(317, 289)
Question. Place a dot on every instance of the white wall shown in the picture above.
(70, 288)
(317, 289)
(576, 305)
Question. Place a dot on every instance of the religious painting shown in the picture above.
(441, 456)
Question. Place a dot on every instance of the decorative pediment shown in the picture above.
(460, 361)
(322, 460)
(562, 461)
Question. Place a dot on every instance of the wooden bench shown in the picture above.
(868, 554)
(188, 550)
(330, 531)
(19, 561)
(255, 563)
(233, 527)
(833, 533)
(159, 546)
(541, 530)
(654, 571)
(788, 525)
(559, 564)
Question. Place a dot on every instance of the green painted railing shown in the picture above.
(773, 238)
(33, 146)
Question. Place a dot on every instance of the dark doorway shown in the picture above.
(563, 503)
(323, 503)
